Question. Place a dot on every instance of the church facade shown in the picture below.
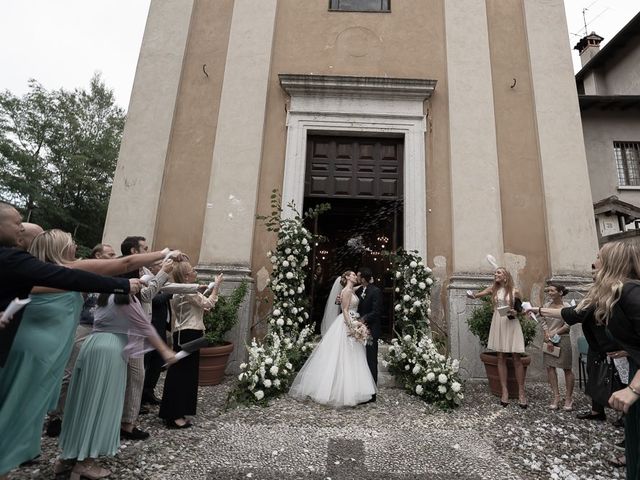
(459, 117)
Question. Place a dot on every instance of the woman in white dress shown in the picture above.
(505, 334)
(337, 373)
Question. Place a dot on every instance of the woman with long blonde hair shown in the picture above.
(614, 300)
(31, 378)
(505, 334)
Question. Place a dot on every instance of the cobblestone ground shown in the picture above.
(398, 437)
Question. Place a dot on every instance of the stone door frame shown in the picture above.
(366, 106)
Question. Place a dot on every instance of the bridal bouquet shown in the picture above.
(358, 330)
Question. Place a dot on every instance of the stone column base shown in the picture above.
(463, 344)
(240, 335)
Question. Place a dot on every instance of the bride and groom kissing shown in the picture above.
(342, 371)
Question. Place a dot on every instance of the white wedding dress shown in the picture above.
(336, 373)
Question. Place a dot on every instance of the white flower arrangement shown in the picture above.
(272, 362)
(414, 359)
(409, 357)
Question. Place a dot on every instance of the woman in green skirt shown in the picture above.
(91, 423)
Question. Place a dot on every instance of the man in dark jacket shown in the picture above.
(20, 272)
(370, 310)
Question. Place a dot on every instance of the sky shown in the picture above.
(61, 43)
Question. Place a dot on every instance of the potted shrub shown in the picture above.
(218, 321)
(479, 324)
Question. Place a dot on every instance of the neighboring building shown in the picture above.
(609, 95)
(457, 119)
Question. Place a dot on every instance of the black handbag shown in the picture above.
(603, 381)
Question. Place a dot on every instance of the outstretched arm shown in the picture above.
(118, 266)
(482, 293)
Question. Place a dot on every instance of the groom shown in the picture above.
(370, 310)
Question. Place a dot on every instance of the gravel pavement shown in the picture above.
(398, 437)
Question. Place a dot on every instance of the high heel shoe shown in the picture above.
(504, 404)
(90, 472)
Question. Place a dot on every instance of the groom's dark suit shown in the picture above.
(370, 310)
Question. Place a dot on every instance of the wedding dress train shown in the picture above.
(336, 373)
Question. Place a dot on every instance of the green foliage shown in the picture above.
(480, 323)
(222, 318)
(58, 152)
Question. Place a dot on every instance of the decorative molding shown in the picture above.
(340, 85)
(369, 106)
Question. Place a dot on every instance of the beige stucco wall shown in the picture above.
(523, 223)
(138, 178)
(310, 39)
(187, 172)
(560, 141)
(237, 157)
(601, 129)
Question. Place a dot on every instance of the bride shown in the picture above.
(337, 373)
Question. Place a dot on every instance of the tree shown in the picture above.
(58, 152)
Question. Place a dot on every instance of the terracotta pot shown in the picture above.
(490, 360)
(213, 361)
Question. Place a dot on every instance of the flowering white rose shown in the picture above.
(404, 355)
(276, 383)
(291, 258)
(398, 274)
(406, 298)
(416, 369)
(294, 310)
(274, 370)
(455, 387)
(306, 315)
(289, 322)
(267, 383)
(285, 304)
(289, 275)
(442, 389)
(276, 312)
(407, 367)
(242, 376)
(285, 263)
(288, 366)
(417, 303)
(280, 322)
(428, 312)
(407, 338)
(442, 378)
(300, 290)
(268, 360)
(307, 248)
(429, 281)
(421, 263)
(397, 289)
(455, 365)
(291, 292)
(243, 366)
(419, 389)
(413, 281)
(428, 270)
(305, 241)
(422, 285)
(259, 394)
(431, 376)
(274, 259)
(413, 264)
(287, 251)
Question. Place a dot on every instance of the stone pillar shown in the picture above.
(231, 201)
(475, 187)
(138, 178)
(571, 234)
